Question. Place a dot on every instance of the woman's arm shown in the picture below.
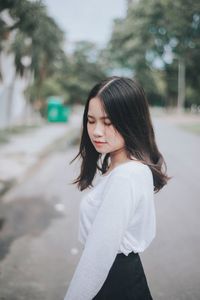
(104, 239)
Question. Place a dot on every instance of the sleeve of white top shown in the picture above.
(104, 239)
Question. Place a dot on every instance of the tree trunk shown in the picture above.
(181, 85)
(10, 100)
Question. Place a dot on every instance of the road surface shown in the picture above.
(39, 225)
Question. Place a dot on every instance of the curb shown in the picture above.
(69, 137)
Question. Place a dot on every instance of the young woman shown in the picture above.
(117, 215)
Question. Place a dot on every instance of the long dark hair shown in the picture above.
(126, 105)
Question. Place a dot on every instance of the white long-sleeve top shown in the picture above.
(116, 216)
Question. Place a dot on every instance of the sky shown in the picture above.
(86, 19)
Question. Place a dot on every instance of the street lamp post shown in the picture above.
(181, 84)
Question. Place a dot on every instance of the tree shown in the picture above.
(159, 34)
(37, 40)
(84, 70)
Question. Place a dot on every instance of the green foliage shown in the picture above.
(73, 77)
(84, 70)
(37, 36)
(154, 35)
(38, 54)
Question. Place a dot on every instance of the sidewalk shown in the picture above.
(24, 150)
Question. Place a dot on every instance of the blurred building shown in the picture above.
(13, 106)
(12, 99)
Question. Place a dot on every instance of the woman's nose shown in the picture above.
(98, 130)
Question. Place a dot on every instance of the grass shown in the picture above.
(186, 120)
(5, 134)
(194, 128)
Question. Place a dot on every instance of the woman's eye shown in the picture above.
(92, 122)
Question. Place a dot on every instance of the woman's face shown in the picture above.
(101, 130)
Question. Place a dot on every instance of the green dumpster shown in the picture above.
(56, 111)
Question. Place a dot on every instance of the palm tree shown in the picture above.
(37, 40)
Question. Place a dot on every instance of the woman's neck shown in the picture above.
(118, 157)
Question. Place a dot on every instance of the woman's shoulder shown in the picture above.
(131, 169)
(135, 175)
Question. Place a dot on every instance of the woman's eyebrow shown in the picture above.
(100, 118)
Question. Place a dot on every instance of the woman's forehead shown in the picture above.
(96, 108)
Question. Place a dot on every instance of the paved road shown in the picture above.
(39, 248)
(172, 261)
(38, 240)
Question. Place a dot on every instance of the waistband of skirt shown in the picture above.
(129, 255)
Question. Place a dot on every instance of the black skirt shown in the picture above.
(126, 280)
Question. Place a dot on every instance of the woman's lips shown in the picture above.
(99, 143)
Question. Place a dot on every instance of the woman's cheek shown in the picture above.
(89, 131)
(110, 131)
